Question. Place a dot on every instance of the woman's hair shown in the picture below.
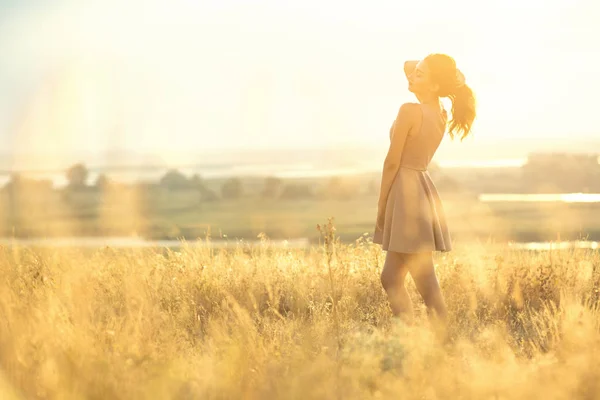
(443, 72)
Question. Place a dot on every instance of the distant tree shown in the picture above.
(77, 176)
(232, 189)
(272, 187)
(174, 180)
(208, 195)
(560, 172)
(340, 189)
(102, 182)
(196, 181)
(24, 192)
(16, 180)
(20, 183)
(296, 191)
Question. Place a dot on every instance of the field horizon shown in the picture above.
(450, 152)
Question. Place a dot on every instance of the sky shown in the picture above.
(181, 75)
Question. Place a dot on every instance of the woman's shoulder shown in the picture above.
(410, 106)
(410, 110)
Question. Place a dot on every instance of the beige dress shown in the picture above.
(414, 216)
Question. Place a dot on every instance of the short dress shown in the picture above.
(415, 220)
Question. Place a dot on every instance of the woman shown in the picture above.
(410, 221)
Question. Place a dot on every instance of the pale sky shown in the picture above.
(179, 75)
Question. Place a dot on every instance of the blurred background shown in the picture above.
(140, 121)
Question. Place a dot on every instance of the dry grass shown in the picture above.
(258, 323)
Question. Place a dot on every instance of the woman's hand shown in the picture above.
(409, 67)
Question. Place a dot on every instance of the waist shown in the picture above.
(413, 168)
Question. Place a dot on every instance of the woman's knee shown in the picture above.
(391, 281)
(387, 278)
(393, 272)
(428, 286)
(423, 274)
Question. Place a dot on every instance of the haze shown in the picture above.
(182, 76)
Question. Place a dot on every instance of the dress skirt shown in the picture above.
(414, 216)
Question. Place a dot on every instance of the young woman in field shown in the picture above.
(411, 224)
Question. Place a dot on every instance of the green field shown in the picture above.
(166, 214)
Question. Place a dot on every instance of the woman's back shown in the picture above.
(423, 142)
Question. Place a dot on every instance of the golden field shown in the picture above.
(268, 322)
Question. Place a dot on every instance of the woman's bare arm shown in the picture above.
(404, 122)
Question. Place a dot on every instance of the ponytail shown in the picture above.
(463, 111)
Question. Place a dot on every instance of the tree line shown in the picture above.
(173, 180)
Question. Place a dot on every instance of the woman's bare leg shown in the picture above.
(422, 271)
(393, 277)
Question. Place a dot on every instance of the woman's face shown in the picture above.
(419, 81)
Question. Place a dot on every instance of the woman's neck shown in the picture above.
(430, 100)
(435, 103)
